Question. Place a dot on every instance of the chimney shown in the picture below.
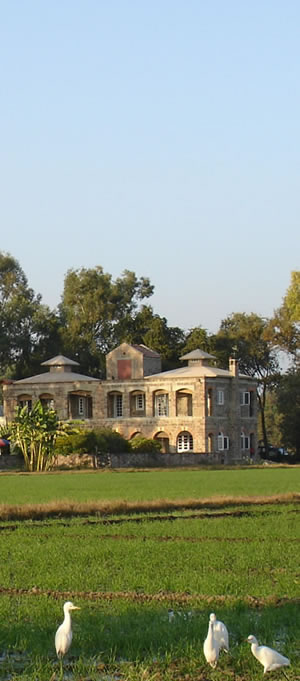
(234, 367)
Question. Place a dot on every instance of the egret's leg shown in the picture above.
(61, 668)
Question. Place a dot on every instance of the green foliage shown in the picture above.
(145, 445)
(284, 328)
(288, 401)
(197, 338)
(97, 311)
(34, 432)
(110, 441)
(27, 328)
(84, 441)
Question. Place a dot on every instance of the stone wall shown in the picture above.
(138, 460)
(11, 462)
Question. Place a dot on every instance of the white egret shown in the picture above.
(269, 658)
(220, 633)
(63, 636)
(211, 647)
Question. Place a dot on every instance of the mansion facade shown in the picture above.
(197, 408)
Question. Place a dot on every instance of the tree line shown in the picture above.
(97, 313)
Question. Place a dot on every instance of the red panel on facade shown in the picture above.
(124, 368)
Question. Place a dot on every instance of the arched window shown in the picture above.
(115, 405)
(137, 403)
(245, 441)
(25, 401)
(161, 403)
(209, 396)
(163, 439)
(184, 403)
(185, 442)
(223, 442)
(210, 442)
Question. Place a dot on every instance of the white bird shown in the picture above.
(211, 647)
(220, 633)
(269, 658)
(63, 636)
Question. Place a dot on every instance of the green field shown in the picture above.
(126, 571)
(141, 485)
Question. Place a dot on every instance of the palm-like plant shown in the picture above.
(34, 432)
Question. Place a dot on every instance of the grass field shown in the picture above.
(140, 485)
(126, 571)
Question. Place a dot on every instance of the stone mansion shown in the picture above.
(197, 408)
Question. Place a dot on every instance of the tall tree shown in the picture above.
(284, 328)
(197, 338)
(246, 338)
(97, 312)
(23, 320)
(288, 402)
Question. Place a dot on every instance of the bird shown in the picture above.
(211, 646)
(63, 636)
(269, 658)
(220, 632)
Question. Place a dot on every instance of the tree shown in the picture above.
(288, 402)
(97, 312)
(284, 328)
(245, 337)
(34, 432)
(197, 338)
(24, 322)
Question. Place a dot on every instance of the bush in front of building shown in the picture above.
(110, 441)
(143, 445)
(93, 441)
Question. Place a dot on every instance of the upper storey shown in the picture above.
(131, 361)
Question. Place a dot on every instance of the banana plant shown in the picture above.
(35, 431)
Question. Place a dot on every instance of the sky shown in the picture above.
(160, 137)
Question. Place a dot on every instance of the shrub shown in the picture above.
(144, 445)
(108, 440)
(82, 442)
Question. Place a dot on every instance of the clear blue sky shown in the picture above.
(161, 137)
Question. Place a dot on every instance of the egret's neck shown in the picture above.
(67, 620)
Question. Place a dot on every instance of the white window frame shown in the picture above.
(220, 396)
(185, 442)
(245, 441)
(223, 442)
(80, 406)
(162, 404)
(140, 402)
(117, 406)
(245, 398)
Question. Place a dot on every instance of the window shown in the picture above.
(185, 442)
(162, 405)
(115, 405)
(220, 396)
(25, 403)
(244, 398)
(210, 442)
(209, 402)
(140, 402)
(245, 441)
(118, 406)
(223, 442)
(80, 406)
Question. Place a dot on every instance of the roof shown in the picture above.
(147, 352)
(198, 354)
(59, 360)
(194, 371)
(53, 377)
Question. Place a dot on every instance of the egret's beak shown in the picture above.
(75, 607)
